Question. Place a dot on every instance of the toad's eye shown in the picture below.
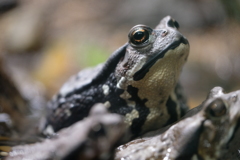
(139, 36)
(217, 108)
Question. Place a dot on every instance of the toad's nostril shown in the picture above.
(234, 98)
(164, 33)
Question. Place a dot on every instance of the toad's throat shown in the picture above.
(145, 68)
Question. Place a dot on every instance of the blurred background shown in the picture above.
(43, 43)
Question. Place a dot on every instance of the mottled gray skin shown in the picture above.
(138, 81)
(205, 133)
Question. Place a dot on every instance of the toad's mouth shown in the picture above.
(145, 68)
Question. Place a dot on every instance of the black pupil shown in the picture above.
(140, 36)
